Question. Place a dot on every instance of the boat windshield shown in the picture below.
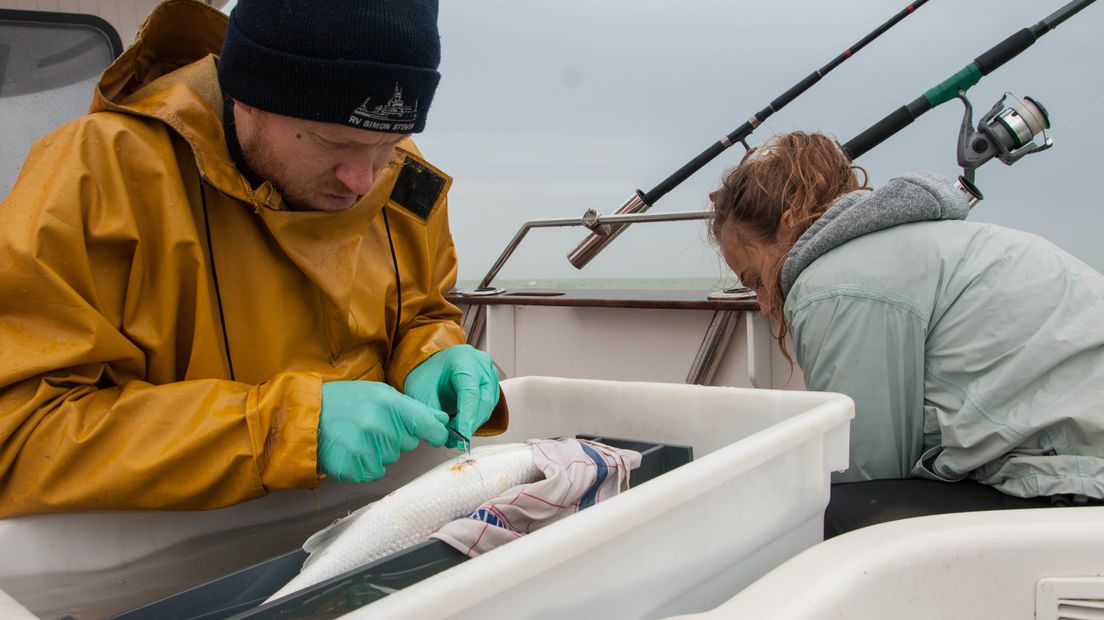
(49, 63)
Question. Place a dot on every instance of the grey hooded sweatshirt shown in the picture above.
(971, 350)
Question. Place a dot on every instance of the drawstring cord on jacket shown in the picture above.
(398, 288)
(214, 277)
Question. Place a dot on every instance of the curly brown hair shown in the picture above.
(797, 173)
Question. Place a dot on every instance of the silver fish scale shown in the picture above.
(413, 512)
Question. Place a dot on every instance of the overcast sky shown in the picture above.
(549, 107)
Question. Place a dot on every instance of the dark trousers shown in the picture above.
(859, 504)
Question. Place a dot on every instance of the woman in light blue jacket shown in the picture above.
(974, 353)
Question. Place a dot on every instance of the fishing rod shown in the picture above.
(602, 234)
(1005, 131)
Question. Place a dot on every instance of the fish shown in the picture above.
(410, 514)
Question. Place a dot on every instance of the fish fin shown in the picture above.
(322, 538)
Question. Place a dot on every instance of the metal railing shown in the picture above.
(592, 220)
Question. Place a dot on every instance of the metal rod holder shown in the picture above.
(603, 235)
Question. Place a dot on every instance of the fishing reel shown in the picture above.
(1007, 132)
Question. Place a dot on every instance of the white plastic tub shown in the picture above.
(684, 542)
(753, 497)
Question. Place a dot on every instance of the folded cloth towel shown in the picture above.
(577, 474)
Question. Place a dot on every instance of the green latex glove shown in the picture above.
(365, 425)
(461, 381)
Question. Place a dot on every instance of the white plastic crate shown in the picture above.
(684, 542)
(753, 497)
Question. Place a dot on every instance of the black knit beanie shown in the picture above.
(364, 63)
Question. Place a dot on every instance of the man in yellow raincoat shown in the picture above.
(228, 278)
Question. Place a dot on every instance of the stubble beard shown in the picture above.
(261, 157)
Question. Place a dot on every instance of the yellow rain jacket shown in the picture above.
(165, 328)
